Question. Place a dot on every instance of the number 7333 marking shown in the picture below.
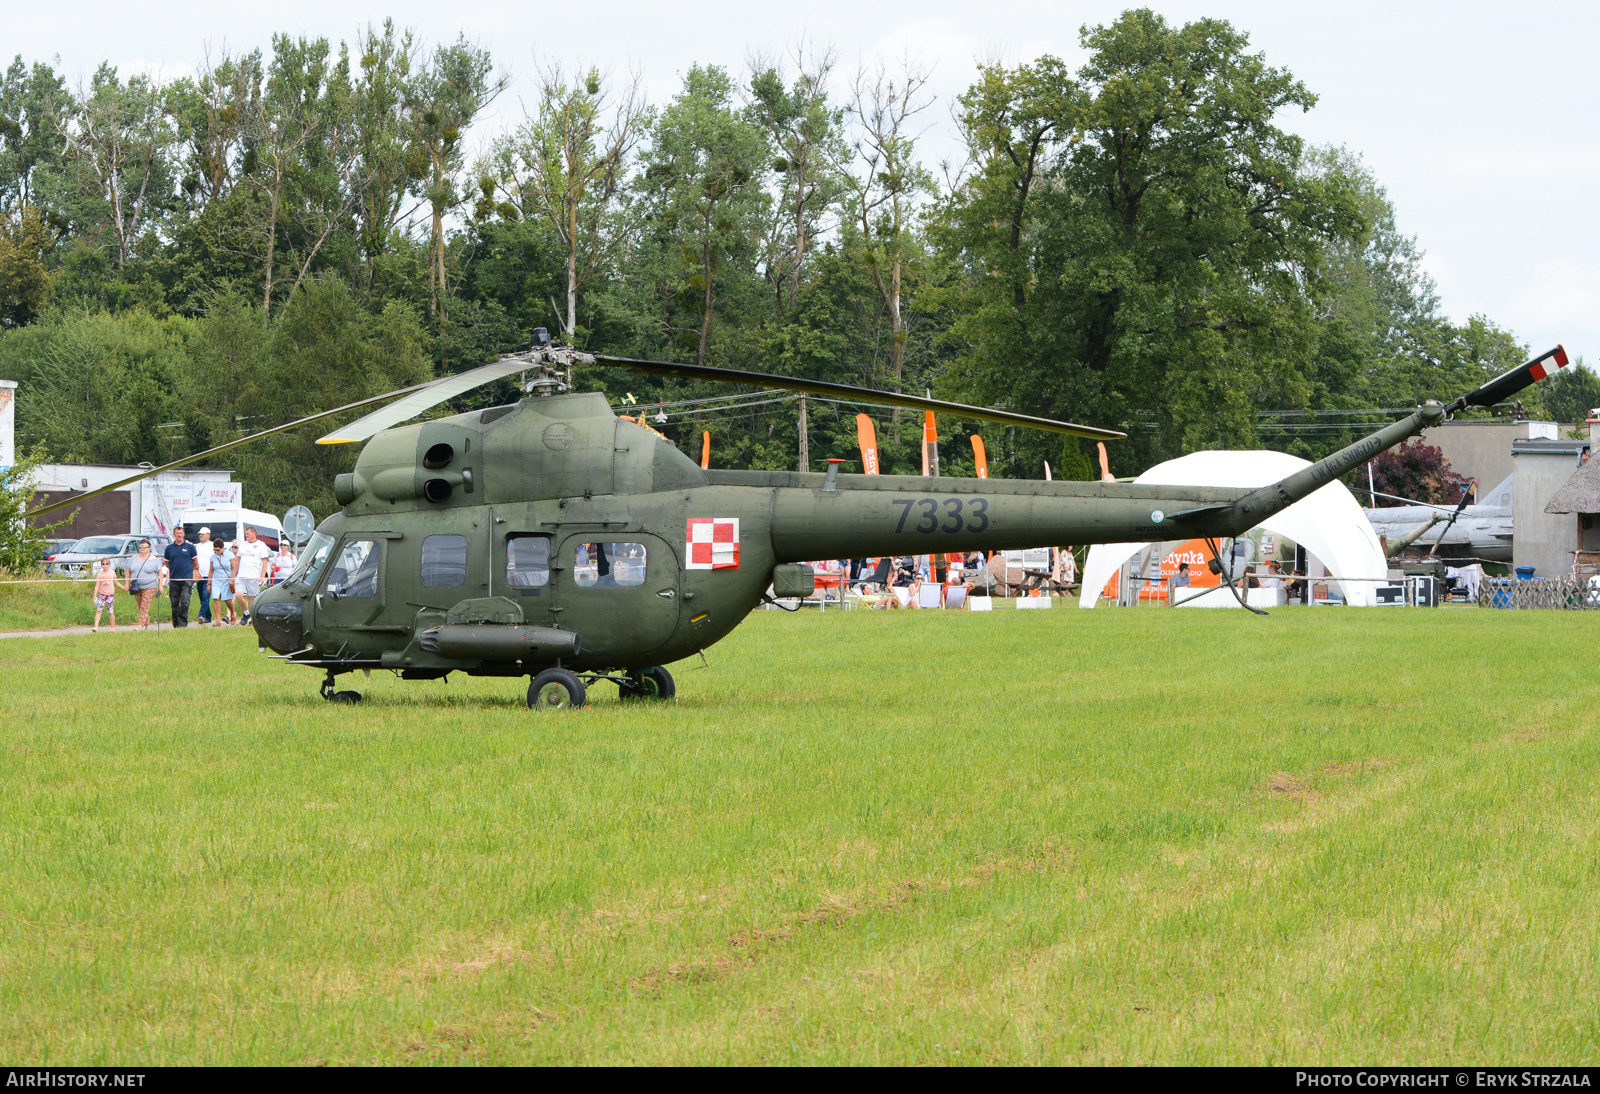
(969, 514)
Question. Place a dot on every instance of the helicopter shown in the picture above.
(553, 540)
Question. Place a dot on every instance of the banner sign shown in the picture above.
(163, 503)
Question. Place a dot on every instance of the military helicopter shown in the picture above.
(551, 539)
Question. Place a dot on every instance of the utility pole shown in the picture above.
(805, 442)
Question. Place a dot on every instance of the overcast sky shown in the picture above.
(1477, 117)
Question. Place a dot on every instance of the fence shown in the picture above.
(1562, 593)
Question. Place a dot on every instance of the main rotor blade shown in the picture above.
(856, 394)
(430, 395)
(1507, 384)
(78, 499)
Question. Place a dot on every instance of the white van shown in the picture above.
(228, 522)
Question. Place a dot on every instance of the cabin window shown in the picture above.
(527, 561)
(355, 574)
(608, 565)
(444, 562)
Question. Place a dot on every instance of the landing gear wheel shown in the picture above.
(555, 689)
(343, 697)
(651, 683)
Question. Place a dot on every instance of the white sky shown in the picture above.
(1477, 117)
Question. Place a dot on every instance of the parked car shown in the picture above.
(84, 558)
(53, 547)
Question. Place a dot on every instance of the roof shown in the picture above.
(1581, 494)
(1549, 448)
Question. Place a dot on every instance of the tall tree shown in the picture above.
(885, 189)
(443, 101)
(1169, 260)
(566, 164)
(806, 130)
(120, 155)
(702, 188)
(35, 108)
(390, 167)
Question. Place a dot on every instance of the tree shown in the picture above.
(807, 133)
(1168, 257)
(25, 240)
(1416, 471)
(382, 137)
(883, 195)
(566, 165)
(442, 102)
(20, 545)
(1571, 395)
(120, 156)
(702, 192)
(34, 109)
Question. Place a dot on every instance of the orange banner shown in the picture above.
(705, 451)
(1194, 552)
(867, 437)
(980, 457)
(1105, 464)
(930, 444)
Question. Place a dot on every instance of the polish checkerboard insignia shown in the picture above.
(713, 543)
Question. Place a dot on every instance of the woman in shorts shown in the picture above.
(221, 584)
(105, 594)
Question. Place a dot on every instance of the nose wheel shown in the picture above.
(341, 697)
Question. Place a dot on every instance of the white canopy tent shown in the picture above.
(1329, 523)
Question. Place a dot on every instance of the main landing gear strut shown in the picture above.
(557, 689)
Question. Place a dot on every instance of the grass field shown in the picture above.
(1112, 836)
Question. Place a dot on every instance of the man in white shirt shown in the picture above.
(251, 565)
(282, 563)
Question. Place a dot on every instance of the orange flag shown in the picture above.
(1105, 464)
(930, 445)
(705, 451)
(980, 457)
(867, 437)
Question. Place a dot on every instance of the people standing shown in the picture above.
(202, 574)
(283, 563)
(144, 581)
(180, 560)
(105, 594)
(221, 584)
(252, 564)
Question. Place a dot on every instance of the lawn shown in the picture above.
(1330, 835)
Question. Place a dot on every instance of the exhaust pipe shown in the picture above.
(498, 642)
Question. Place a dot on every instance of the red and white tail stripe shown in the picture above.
(1547, 366)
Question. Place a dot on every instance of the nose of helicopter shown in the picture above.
(279, 620)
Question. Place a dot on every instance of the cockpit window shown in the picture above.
(356, 572)
(312, 560)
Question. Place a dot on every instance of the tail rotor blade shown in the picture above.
(1504, 386)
